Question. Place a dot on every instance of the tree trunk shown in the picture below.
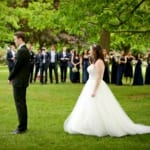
(105, 39)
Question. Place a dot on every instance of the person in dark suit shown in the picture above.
(53, 64)
(11, 57)
(32, 59)
(44, 61)
(19, 77)
(37, 64)
(64, 58)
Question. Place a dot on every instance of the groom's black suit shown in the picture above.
(20, 78)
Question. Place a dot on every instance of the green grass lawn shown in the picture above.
(48, 107)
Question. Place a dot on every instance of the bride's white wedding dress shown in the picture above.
(100, 115)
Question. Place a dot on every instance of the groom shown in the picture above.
(19, 77)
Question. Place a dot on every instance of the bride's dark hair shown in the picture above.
(98, 54)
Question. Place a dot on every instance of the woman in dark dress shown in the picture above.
(114, 60)
(71, 52)
(106, 77)
(147, 74)
(75, 61)
(128, 73)
(121, 66)
(84, 64)
(138, 77)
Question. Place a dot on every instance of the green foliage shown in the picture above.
(82, 18)
(2, 57)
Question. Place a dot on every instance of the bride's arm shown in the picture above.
(99, 66)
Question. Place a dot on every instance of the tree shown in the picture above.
(103, 16)
(83, 21)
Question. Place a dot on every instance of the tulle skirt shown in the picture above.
(100, 115)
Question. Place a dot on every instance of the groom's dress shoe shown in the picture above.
(17, 131)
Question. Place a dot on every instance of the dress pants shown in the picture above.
(43, 74)
(53, 66)
(63, 70)
(21, 107)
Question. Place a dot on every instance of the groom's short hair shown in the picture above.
(20, 34)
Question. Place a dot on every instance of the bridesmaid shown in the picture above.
(84, 65)
(121, 66)
(147, 74)
(75, 60)
(128, 73)
(114, 60)
(138, 77)
(71, 52)
(106, 77)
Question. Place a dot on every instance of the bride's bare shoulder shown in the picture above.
(99, 62)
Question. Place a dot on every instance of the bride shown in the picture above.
(97, 111)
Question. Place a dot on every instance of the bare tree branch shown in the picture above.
(130, 14)
(131, 31)
(137, 6)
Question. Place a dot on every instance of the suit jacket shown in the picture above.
(56, 57)
(21, 70)
(32, 57)
(64, 62)
(46, 59)
(9, 58)
(37, 59)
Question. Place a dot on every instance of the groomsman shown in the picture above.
(11, 57)
(32, 55)
(53, 62)
(37, 64)
(44, 61)
(19, 77)
(63, 59)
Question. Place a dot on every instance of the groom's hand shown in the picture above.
(10, 81)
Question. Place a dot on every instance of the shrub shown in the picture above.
(3, 60)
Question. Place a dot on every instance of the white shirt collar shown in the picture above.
(21, 45)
